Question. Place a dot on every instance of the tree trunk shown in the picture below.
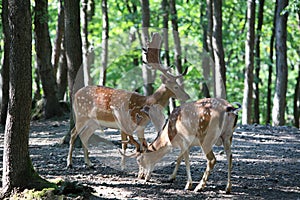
(105, 36)
(297, 100)
(147, 74)
(205, 53)
(5, 65)
(217, 42)
(249, 62)
(279, 100)
(257, 59)
(62, 75)
(85, 43)
(43, 52)
(18, 171)
(297, 89)
(59, 36)
(177, 42)
(73, 48)
(270, 70)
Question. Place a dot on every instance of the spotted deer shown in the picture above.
(203, 123)
(93, 105)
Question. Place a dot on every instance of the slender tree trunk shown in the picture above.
(257, 61)
(205, 53)
(165, 9)
(59, 36)
(270, 70)
(279, 101)
(217, 42)
(147, 74)
(297, 89)
(5, 65)
(297, 100)
(85, 46)
(18, 171)
(43, 52)
(73, 48)
(105, 36)
(177, 42)
(62, 75)
(249, 62)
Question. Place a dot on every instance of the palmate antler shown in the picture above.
(153, 57)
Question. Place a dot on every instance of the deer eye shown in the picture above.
(176, 87)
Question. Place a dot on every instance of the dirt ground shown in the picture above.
(266, 165)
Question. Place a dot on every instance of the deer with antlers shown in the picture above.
(93, 105)
(203, 123)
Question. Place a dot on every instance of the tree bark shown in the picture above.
(59, 36)
(279, 100)
(217, 42)
(85, 44)
(5, 65)
(18, 171)
(62, 75)
(105, 36)
(297, 100)
(257, 61)
(147, 74)
(73, 48)
(270, 70)
(177, 42)
(249, 62)
(205, 54)
(43, 52)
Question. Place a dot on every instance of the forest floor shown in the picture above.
(266, 165)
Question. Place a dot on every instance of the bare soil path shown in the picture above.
(266, 165)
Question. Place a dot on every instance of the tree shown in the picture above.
(147, 74)
(18, 171)
(86, 44)
(5, 65)
(105, 36)
(73, 48)
(279, 100)
(217, 43)
(249, 62)
(270, 70)
(297, 88)
(177, 42)
(44, 53)
(257, 61)
(59, 36)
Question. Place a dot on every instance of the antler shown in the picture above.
(153, 57)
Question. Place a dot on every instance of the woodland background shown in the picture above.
(111, 45)
(249, 47)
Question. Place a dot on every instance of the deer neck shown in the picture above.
(161, 96)
(161, 141)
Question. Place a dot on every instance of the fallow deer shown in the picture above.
(203, 123)
(93, 105)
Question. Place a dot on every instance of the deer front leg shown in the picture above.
(211, 161)
(189, 182)
(73, 137)
(141, 137)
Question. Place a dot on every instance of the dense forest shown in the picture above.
(112, 42)
(243, 51)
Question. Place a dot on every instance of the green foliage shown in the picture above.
(124, 56)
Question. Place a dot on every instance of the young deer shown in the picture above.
(93, 105)
(203, 123)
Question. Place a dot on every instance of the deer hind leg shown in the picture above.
(211, 161)
(189, 182)
(227, 147)
(73, 137)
